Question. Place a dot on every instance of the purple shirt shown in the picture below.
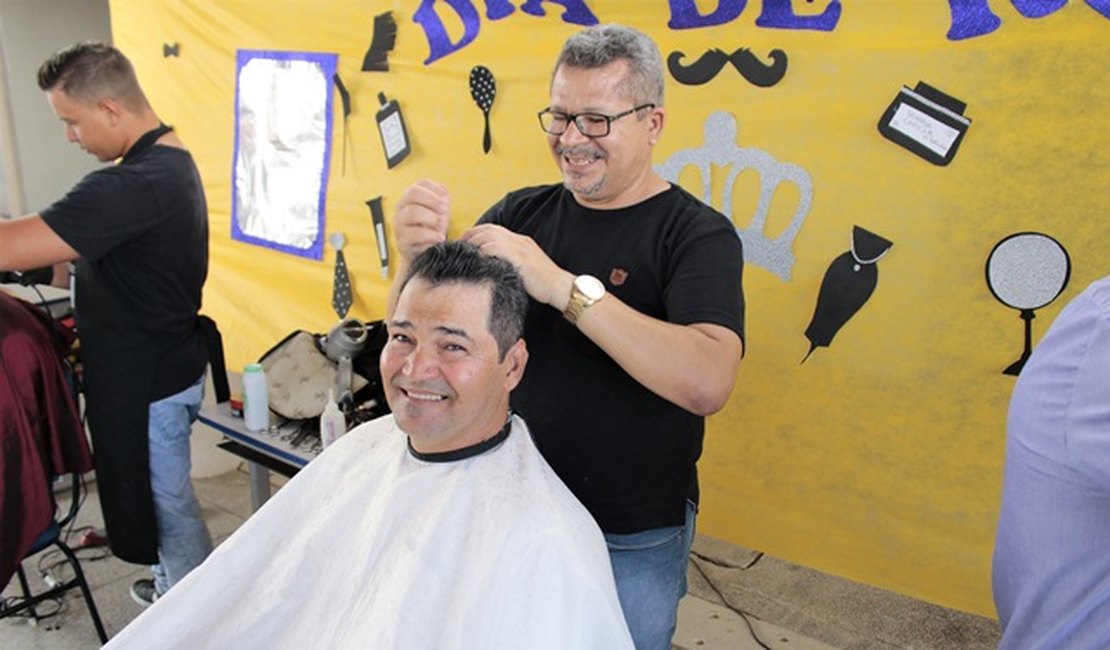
(1051, 572)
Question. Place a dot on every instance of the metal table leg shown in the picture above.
(260, 485)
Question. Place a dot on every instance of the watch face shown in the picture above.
(590, 287)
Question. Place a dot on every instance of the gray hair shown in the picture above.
(90, 71)
(461, 262)
(600, 45)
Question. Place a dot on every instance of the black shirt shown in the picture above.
(626, 453)
(141, 228)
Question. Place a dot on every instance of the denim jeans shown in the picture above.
(650, 569)
(183, 539)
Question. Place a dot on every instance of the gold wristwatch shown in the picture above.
(586, 291)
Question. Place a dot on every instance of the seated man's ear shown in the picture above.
(516, 358)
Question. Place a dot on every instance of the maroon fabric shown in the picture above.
(41, 435)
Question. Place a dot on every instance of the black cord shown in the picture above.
(42, 299)
(726, 565)
(51, 560)
(696, 560)
(59, 607)
(55, 557)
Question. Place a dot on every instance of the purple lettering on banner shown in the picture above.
(1038, 8)
(498, 9)
(685, 15)
(1101, 6)
(780, 14)
(577, 13)
(439, 43)
(971, 18)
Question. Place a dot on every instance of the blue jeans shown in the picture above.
(650, 569)
(183, 539)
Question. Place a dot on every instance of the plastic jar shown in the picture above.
(256, 402)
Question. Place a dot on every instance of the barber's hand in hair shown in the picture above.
(544, 280)
(421, 218)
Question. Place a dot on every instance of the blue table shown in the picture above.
(273, 449)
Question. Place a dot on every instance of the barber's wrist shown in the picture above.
(586, 291)
(561, 288)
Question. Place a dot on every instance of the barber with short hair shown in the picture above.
(637, 318)
(138, 232)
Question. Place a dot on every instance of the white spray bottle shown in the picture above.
(332, 422)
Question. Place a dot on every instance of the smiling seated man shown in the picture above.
(437, 527)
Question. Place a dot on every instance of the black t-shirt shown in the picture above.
(141, 228)
(626, 453)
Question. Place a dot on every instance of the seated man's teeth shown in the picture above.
(425, 397)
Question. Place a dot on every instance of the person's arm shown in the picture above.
(60, 277)
(28, 243)
(419, 222)
(693, 366)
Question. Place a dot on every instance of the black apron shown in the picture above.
(120, 362)
(118, 385)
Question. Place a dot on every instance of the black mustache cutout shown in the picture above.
(747, 64)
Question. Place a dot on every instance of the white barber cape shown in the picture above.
(370, 547)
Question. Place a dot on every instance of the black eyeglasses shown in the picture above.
(591, 125)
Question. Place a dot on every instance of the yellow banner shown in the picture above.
(871, 154)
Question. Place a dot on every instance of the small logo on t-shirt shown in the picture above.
(617, 276)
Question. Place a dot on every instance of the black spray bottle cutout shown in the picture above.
(848, 284)
(391, 126)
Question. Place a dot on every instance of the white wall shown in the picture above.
(5, 211)
(37, 165)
